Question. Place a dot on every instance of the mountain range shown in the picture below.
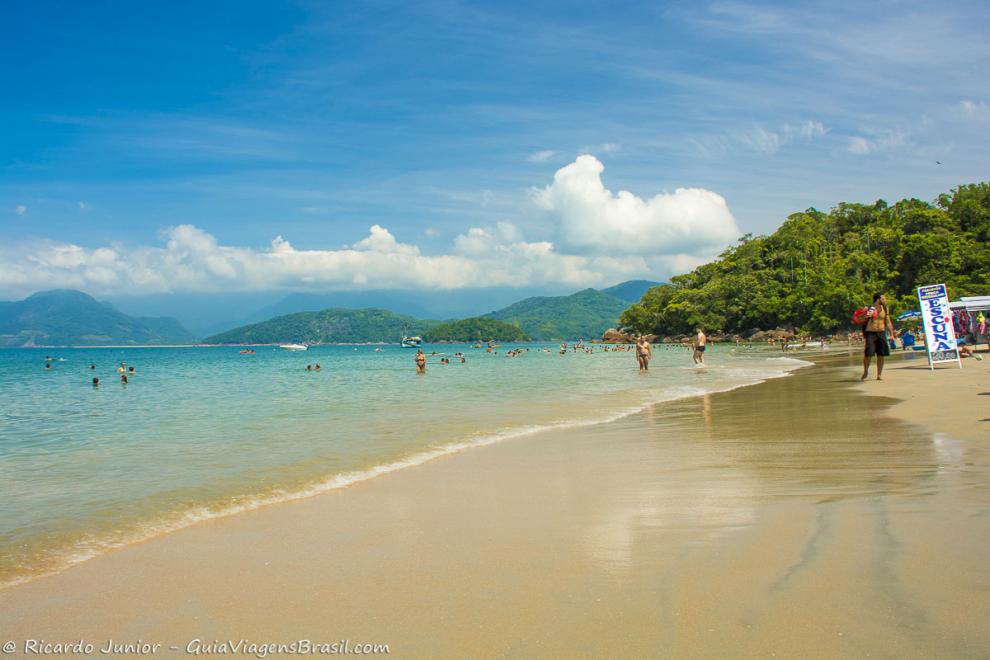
(62, 317)
(66, 317)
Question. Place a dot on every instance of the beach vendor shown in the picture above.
(875, 335)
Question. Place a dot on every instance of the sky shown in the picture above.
(187, 147)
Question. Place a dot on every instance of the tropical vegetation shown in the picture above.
(333, 325)
(477, 328)
(583, 315)
(817, 268)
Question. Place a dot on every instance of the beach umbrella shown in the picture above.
(909, 315)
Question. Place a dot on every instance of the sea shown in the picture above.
(204, 432)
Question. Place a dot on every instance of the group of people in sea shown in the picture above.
(125, 372)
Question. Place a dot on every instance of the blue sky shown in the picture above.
(162, 147)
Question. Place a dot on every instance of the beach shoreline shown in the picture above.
(612, 534)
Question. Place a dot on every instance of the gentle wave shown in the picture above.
(91, 548)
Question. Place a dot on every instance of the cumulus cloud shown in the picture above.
(599, 238)
(193, 260)
(593, 220)
(20, 209)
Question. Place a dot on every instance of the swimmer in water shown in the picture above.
(96, 382)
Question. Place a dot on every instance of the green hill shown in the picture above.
(583, 315)
(632, 290)
(71, 318)
(817, 268)
(478, 328)
(327, 326)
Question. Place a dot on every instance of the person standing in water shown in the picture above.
(644, 352)
(700, 343)
(420, 361)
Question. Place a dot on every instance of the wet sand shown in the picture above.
(950, 400)
(795, 518)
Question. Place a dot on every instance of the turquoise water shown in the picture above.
(204, 431)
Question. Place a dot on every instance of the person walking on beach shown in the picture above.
(700, 342)
(875, 335)
(644, 353)
(420, 361)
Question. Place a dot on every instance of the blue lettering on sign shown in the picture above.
(942, 346)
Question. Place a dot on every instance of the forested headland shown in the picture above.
(817, 268)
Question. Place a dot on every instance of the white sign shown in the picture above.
(940, 337)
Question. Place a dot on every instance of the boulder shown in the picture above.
(613, 336)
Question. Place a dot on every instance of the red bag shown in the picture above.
(861, 316)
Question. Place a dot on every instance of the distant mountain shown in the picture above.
(583, 315)
(202, 313)
(632, 290)
(72, 318)
(212, 313)
(327, 326)
(399, 302)
(478, 328)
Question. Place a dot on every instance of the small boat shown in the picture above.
(412, 342)
(294, 347)
(248, 351)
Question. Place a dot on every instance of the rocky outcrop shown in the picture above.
(613, 336)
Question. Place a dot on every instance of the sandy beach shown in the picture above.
(794, 518)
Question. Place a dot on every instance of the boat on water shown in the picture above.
(412, 342)
(294, 347)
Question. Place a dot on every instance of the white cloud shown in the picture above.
(591, 219)
(975, 108)
(860, 145)
(82, 206)
(20, 209)
(762, 140)
(603, 238)
(193, 260)
(807, 130)
(541, 156)
(769, 142)
(882, 141)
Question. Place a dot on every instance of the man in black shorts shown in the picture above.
(875, 335)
